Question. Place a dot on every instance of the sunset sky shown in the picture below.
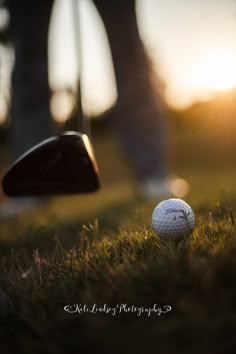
(192, 44)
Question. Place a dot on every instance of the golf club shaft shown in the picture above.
(82, 122)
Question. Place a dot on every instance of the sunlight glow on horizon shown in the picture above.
(217, 70)
(214, 70)
(180, 37)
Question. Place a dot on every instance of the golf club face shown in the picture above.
(64, 164)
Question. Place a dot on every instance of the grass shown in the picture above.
(100, 249)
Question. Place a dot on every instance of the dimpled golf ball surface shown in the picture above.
(173, 219)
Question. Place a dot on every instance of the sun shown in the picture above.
(216, 70)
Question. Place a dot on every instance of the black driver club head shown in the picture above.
(63, 164)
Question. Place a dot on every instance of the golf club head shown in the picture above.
(63, 164)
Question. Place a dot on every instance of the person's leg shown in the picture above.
(139, 119)
(30, 113)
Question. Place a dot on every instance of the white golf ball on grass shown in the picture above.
(173, 219)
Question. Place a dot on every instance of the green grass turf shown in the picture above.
(100, 249)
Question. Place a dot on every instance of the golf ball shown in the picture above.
(173, 219)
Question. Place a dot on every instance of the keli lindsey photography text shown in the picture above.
(117, 309)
